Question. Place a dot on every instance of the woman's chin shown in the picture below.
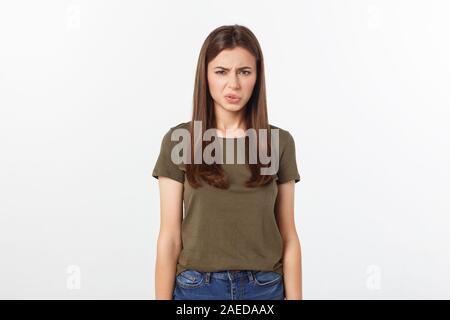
(232, 106)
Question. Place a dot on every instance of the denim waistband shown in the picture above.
(230, 274)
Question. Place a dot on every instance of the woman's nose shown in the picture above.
(233, 82)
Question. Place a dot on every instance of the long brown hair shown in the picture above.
(228, 37)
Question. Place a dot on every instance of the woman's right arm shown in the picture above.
(169, 240)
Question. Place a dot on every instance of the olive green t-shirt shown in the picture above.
(235, 228)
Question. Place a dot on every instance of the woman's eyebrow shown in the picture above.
(220, 67)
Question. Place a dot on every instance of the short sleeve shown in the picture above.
(164, 166)
(288, 164)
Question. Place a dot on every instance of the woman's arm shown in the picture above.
(169, 239)
(292, 260)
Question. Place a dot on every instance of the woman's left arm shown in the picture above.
(292, 260)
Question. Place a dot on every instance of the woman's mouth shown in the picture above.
(231, 98)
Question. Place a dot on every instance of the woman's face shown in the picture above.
(232, 72)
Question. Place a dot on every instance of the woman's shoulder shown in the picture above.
(167, 140)
(173, 127)
(181, 125)
(272, 126)
(284, 134)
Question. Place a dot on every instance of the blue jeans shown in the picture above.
(229, 285)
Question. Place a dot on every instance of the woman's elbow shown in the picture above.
(169, 243)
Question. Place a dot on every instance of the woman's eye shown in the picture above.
(243, 71)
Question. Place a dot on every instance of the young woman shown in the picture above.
(237, 239)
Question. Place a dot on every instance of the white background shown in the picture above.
(88, 89)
